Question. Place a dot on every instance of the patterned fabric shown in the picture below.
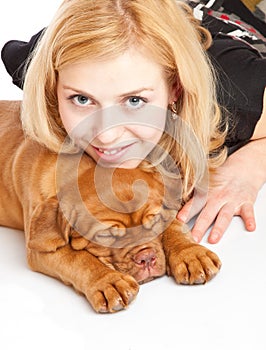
(242, 29)
(221, 22)
(238, 54)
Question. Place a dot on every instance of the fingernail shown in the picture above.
(196, 239)
(182, 217)
(251, 226)
(214, 237)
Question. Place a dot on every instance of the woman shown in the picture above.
(222, 203)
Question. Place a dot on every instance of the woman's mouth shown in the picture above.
(112, 154)
(109, 152)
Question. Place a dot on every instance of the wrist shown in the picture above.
(253, 157)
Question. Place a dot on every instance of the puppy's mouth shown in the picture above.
(148, 279)
(144, 276)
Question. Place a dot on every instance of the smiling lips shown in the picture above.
(112, 154)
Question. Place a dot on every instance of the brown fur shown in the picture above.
(73, 236)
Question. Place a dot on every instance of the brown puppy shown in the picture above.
(103, 231)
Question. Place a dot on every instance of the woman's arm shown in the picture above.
(234, 191)
(260, 129)
(235, 185)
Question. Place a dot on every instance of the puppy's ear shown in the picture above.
(48, 230)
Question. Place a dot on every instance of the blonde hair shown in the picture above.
(102, 29)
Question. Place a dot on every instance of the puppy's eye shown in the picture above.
(104, 237)
(150, 220)
(118, 231)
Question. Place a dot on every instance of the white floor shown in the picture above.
(227, 313)
(38, 312)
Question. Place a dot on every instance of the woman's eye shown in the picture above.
(135, 102)
(81, 100)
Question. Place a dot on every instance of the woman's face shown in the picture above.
(114, 109)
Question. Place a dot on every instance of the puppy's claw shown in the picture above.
(130, 297)
(102, 310)
(119, 306)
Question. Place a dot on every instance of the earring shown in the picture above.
(173, 110)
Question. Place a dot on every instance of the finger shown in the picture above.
(184, 213)
(204, 221)
(221, 223)
(248, 216)
(192, 208)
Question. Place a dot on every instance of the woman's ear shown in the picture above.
(175, 92)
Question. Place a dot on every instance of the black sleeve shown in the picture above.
(241, 80)
(14, 55)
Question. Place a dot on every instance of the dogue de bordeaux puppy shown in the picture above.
(102, 235)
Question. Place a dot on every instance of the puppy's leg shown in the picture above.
(107, 290)
(48, 238)
(187, 261)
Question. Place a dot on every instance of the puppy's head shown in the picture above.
(131, 209)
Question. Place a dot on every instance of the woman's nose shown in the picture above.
(109, 126)
(109, 136)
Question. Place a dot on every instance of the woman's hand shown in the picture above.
(233, 191)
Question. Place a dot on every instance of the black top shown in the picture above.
(14, 55)
(241, 75)
(241, 82)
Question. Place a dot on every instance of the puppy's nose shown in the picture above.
(146, 258)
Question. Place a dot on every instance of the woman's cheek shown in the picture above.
(148, 133)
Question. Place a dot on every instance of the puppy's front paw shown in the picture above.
(112, 292)
(193, 265)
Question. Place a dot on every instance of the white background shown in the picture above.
(38, 312)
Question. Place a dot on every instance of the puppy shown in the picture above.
(102, 231)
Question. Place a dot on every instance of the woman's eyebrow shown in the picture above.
(135, 92)
(129, 93)
(78, 91)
